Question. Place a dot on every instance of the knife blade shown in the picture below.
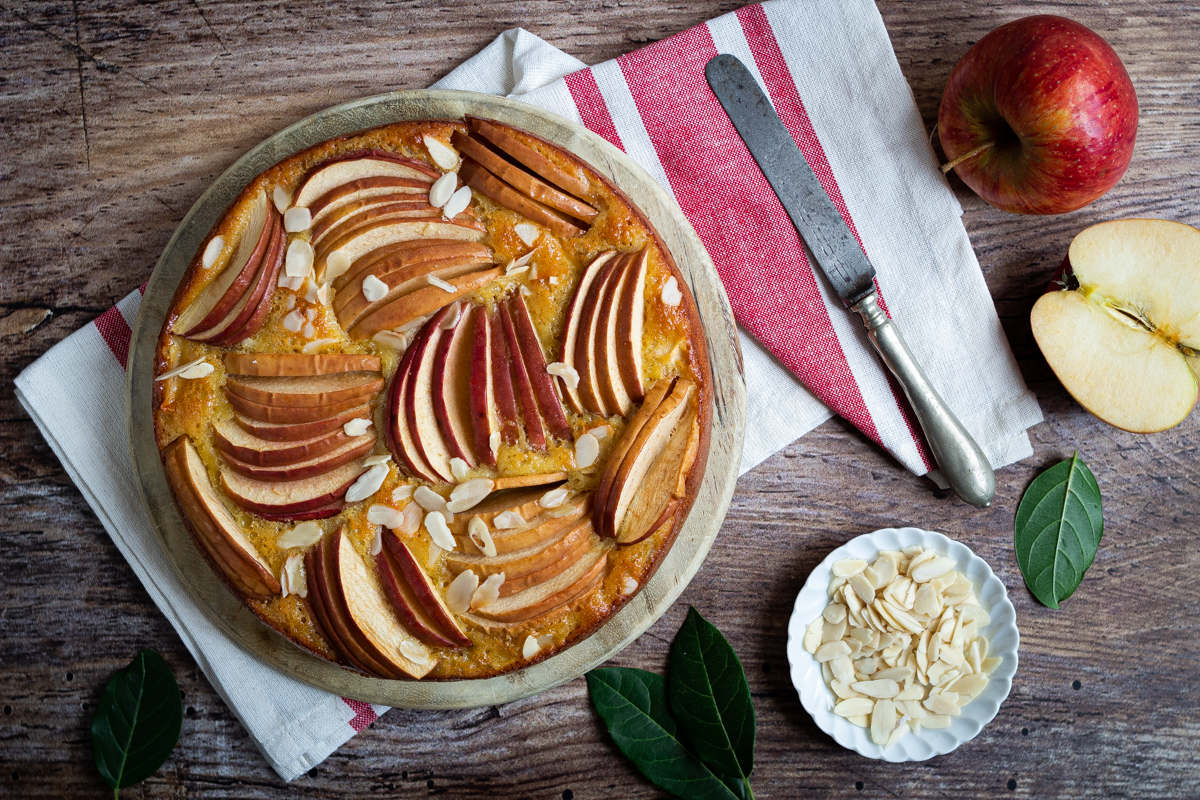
(848, 270)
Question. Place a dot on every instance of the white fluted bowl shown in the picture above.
(1003, 641)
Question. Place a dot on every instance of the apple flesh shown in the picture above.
(1122, 337)
(1039, 117)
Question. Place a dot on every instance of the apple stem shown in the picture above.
(969, 154)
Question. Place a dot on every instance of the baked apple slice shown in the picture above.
(501, 193)
(388, 232)
(418, 400)
(318, 465)
(307, 391)
(534, 358)
(535, 433)
(420, 596)
(288, 414)
(580, 546)
(521, 481)
(572, 323)
(541, 529)
(422, 302)
(368, 614)
(364, 190)
(252, 314)
(484, 414)
(606, 353)
(301, 431)
(338, 222)
(587, 360)
(519, 563)
(506, 400)
(223, 292)
(226, 545)
(400, 439)
(569, 181)
(376, 219)
(630, 325)
(523, 502)
(352, 167)
(385, 260)
(566, 587)
(452, 388)
(354, 304)
(290, 497)
(233, 442)
(292, 365)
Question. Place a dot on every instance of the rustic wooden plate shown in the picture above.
(685, 556)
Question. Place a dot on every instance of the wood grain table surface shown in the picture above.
(114, 117)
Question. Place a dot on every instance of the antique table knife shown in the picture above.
(848, 270)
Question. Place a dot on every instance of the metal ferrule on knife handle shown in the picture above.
(963, 464)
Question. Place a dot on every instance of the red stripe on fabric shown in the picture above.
(592, 108)
(786, 98)
(364, 715)
(142, 288)
(739, 218)
(115, 332)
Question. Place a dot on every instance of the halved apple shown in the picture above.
(400, 282)
(224, 291)
(372, 237)
(506, 400)
(363, 189)
(307, 390)
(425, 598)
(534, 357)
(535, 434)
(630, 325)
(521, 180)
(421, 302)
(495, 133)
(1124, 335)
(227, 547)
(452, 388)
(500, 192)
(586, 359)
(334, 173)
(252, 314)
(571, 326)
(317, 465)
(290, 497)
(301, 431)
(230, 440)
(370, 620)
(418, 400)
(288, 414)
(485, 416)
(400, 439)
(581, 577)
(290, 365)
(401, 254)
(605, 353)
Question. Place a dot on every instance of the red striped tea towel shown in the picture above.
(830, 70)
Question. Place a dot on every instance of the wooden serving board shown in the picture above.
(698, 532)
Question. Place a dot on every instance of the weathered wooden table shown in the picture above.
(114, 119)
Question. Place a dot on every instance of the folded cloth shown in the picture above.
(856, 109)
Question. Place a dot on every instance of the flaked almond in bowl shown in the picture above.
(902, 644)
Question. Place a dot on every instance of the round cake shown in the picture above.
(433, 399)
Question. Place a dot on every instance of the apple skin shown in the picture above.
(1057, 103)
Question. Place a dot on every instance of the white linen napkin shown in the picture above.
(75, 392)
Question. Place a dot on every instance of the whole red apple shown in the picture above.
(1041, 116)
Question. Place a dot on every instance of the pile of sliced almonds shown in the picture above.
(899, 644)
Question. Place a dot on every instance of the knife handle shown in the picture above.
(959, 457)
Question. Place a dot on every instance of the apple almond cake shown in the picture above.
(433, 399)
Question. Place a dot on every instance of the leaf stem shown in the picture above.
(969, 154)
(749, 789)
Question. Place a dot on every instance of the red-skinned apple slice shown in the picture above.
(404, 603)
(554, 593)
(362, 190)
(220, 296)
(287, 414)
(452, 388)
(352, 212)
(608, 369)
(395, 214)
(654, 398)
(586, 360)
(249, 320)
(290, 365)
(571, 326)
(369, 615)
(534, 357)
(579, 548)
(399, 437)
(318, 465)
(226, 544)
(1124, 342)
(297, 432)
(541, 166)
(373, 237)
(290, 497)
(230, 440)
(245, 306)
(522, 481)
(535, 433)
(485, 417)
(314, 573)
(521, 180)
(523, 501)
(421, 302)
(428, 595)
(329, 175)
(506, 400)
(500, 192)
(630, 324)
(520, 563)
(400, 282)
(325, 512)
(306, 391)
(401, 254)
(418, 401)
(541, 529)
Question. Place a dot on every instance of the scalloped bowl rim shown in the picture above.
(1002, 633)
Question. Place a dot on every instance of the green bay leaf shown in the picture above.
(137, 724)
(710, 697)
(1057, 530)
(633, 705)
